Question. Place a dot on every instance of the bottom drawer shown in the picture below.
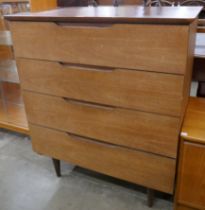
(142, 168)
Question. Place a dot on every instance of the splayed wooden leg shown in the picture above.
(57, 166)
(150, 197)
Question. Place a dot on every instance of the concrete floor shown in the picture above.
(28, 182)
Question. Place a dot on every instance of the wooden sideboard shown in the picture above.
(12, 112)
(106, 88)
(190, 180)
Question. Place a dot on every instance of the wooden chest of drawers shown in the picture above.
(108, 91)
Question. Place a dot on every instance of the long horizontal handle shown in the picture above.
(89, 104)
(87, 67)
(84, 25)
(90, 140)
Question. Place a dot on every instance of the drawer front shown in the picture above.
(139, 167)
(145, 47)
(146, 91)
(140, 130)
(192, 177)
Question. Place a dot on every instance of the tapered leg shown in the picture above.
(57, 166)
(150, 197)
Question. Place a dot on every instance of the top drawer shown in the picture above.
(143, 47)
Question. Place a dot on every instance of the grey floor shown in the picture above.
(28, 182)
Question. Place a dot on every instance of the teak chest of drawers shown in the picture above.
(106, 88)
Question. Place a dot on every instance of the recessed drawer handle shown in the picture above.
(93, 141)
(87, 67)
(88, 104)
(84, 25)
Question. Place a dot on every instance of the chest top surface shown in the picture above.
(110, 14)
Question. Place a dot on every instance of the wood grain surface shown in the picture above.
(194, 123)
(134, 129)
(105, 45)
(192, 176)
(191, 168)
(6, 53)
(140, 90)
(147, 169)
(42, 5)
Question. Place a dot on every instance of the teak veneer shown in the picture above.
(106, 88)
(190, 180)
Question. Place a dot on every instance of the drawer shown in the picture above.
(146, 169)
(158, 48)
(146, 91)
(134, 129)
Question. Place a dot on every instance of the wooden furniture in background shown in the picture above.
(104, 93)
(175, 3)
(12, 112)
(191, 180)
(70, 3)
(119, 2)
(199, 62)
(40, 5)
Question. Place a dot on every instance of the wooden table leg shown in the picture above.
(57, 166)
(150, 197)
